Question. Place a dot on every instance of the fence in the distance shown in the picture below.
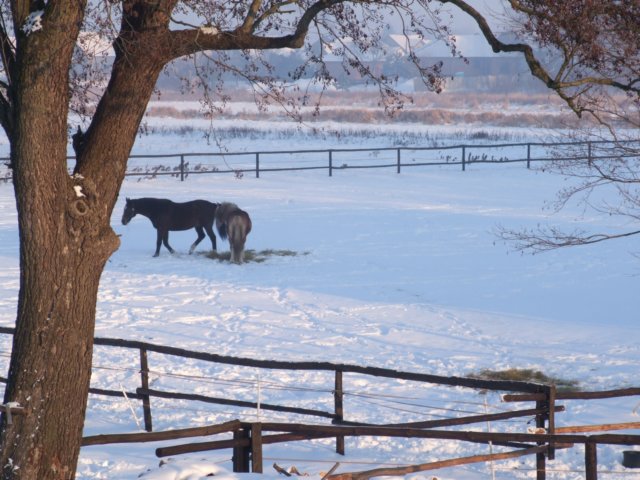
(397, 159)
(393, 158)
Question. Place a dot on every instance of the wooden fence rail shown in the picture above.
(249, 439)
(144, 393)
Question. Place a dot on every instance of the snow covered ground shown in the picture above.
(397, 271)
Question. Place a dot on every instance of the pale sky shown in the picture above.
(491, 9)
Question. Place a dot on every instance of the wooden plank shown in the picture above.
(448, 422)
(599, 428)
(7, 412)
(478, 437)
(114, 393)
(159, 436)
(13, 410)
(621, 392)
(378, 472)
(223, 444)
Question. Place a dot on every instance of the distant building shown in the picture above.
(477, 69)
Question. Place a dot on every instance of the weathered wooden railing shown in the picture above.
(247, 438)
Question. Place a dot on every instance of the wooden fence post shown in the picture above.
(144, 380)
(241, 453)
(464, 154)
(256, 448)
(551, 423)
(182, 168)
(330, 163)
(591, 460)
(541, 472)
(257, 165)
(338, 398)
(398, 155)
(528, 155)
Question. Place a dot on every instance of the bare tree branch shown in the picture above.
(537, 69)
(551, 238)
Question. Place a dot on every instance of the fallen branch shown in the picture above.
(333, 469)
(281, 470)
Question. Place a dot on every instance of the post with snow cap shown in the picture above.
(242, 450)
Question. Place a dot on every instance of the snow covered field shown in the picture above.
(397, 271)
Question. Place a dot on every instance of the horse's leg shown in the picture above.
(209, 230)
(158, 243)
(241, 241)
(231, 232)
(200, 231)
(165, 240)
(244, 239)
(237, 245)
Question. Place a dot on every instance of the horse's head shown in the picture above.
(129, 212)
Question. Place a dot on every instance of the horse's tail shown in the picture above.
(222, 229)
(222, 215)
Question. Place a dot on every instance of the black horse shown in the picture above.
(166, 215)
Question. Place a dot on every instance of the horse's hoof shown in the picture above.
(156, 255)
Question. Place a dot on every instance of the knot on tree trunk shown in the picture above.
(83, 208)
(78, 208)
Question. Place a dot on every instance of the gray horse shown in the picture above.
(233, 222)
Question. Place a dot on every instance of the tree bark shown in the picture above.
(65, 241)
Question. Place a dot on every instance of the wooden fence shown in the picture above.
(395, 158)
(248, 438)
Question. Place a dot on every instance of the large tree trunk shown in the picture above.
(64, 244)
(65, 241)
(62, 255)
